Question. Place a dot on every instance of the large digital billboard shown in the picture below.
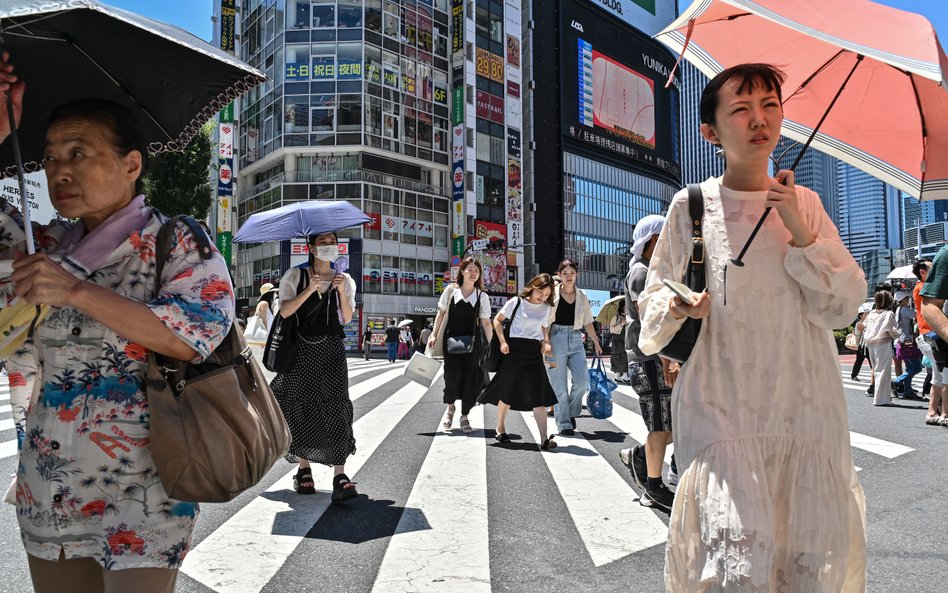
(613, 95)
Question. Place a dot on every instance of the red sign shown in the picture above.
(490, 107)
(376, 224)
(513, 88)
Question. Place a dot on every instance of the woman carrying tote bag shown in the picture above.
(462, 322)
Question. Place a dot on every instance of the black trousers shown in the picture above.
(861, 354)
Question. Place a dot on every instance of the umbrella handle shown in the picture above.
(21, 177)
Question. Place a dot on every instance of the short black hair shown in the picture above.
(917, 267)
(124, 130)
(750, 75)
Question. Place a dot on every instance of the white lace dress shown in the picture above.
(768, 500)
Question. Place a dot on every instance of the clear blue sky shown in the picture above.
(195, 15)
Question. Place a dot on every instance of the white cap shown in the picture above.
(901, 294)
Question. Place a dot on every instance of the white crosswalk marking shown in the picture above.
(6, 424)
(878, 446)
(631, 423)
(428, 553)
(8, 449)
(243, 554)
(609, 531)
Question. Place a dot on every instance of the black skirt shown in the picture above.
(314, 397)
(521, 382)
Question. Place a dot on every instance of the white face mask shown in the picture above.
(327, 252)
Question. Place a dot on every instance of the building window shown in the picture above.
(373, 15)
(323, 113)
(350, 13)
(349, 113)
(324, 14)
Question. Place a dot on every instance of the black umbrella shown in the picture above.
(76, 49)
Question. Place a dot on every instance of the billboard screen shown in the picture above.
(614, 100)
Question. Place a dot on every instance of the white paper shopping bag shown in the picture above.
(422, 369)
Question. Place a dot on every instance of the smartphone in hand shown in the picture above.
(687, 295)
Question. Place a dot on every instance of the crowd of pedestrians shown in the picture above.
(766, 487)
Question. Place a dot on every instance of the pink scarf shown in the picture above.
(91, 251)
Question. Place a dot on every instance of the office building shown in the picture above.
(870, 221)
(816, 170)
(397, 106)
(699, 158)
(596, 163)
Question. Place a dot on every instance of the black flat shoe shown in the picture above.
(503, 437)
(548, 444)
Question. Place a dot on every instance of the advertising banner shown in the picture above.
(494, 262)
(648, 16)
(457, 221)
(457, 26)
(41, 208)
(489, 107)
(225, 140)
(457, 105)
(612, 85)
(513, 143)
(513, 51)
(228, 19)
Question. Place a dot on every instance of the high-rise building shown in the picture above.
(699, 158)
(870, 221)
(602, 129)
(816, 170)
(401, 107)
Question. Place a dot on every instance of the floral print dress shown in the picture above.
(86, 483)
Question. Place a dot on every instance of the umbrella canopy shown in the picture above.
(891, 120)
(404, 323)
(610, 309)
(901, 273)
(75, 49)
(301, 219)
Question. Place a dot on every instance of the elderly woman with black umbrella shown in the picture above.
(92, 511)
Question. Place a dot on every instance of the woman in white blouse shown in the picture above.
(521, 383)
(463, 312)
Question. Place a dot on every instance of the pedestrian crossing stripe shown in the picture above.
(244, 553)
(612, 531)
(451, 495)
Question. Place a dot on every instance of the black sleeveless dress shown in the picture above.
(463, 376)
(314, 394)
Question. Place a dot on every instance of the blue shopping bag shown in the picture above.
(599, 400)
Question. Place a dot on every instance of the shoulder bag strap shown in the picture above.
(694, 277)
(513, 316)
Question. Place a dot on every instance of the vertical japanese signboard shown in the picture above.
(225, 144)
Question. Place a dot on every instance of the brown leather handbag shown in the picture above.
(216, 429)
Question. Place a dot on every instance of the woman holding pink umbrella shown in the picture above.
(768, 499)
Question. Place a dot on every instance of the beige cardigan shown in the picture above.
(583, 315)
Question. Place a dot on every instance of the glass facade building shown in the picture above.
(356, 108)
(816, 170)
(699, 159)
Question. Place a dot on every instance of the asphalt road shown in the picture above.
(450, 512)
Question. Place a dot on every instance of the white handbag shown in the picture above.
(422, 369)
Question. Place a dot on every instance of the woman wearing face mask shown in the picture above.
(314, 394)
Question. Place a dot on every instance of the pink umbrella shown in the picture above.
(865, 82)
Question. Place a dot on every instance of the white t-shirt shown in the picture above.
(456, 295)
(291, 279)
(530, 319)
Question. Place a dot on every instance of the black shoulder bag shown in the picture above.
(464, 344)
(280, 352)
(492, 354)
(683, 342)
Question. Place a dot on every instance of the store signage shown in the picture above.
(457, 25)
(425, 310)
(490, 107)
